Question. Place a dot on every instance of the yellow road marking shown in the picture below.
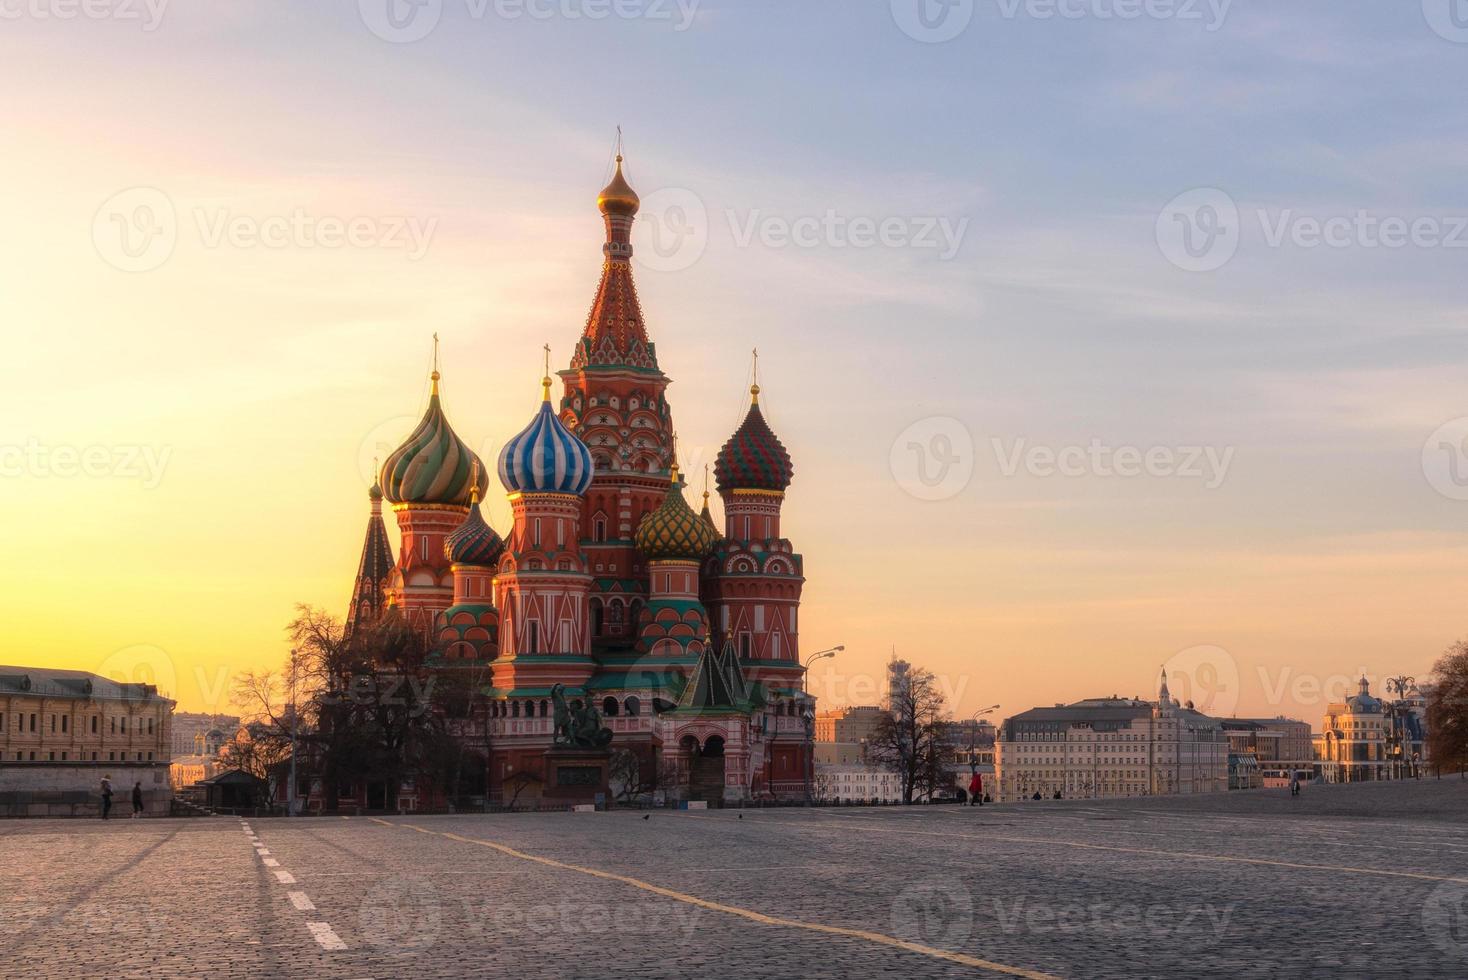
(760, 917)
(1195, 855)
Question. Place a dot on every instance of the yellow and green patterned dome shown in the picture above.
(674, 532)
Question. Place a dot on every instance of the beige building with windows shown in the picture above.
(854, 725)
(61, 731)
(1352, 745)
(1108, 747)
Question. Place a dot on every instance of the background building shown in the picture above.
(202, 733)
(61, 731)
(853, 724)
(1365, 739)
(1103, 747)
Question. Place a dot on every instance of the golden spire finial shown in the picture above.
(474, 484)
(705, 484)
(673, 470)
(545, 381)
(754, 388)
(435, 375)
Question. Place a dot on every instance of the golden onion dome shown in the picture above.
(618, 197)
(674, 532)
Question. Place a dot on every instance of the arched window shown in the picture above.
(529, 709)
(514, 709)
(544, 707)
(632, 707)
(600, 532)
(609, 706)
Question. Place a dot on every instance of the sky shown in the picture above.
(1105, 334)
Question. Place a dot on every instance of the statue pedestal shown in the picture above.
(575, 775)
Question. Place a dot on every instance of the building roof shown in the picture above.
(80, 684)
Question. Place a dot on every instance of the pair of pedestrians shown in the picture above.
(107, 798)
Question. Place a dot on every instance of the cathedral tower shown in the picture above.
(374, 571)
(429, 480)
(614, 399)
(754, 576)
(543, 584)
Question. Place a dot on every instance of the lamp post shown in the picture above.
(810, 755)
(290, 790)
(973, 734)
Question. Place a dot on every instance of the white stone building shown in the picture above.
(1111, 747)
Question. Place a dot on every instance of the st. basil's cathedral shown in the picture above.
(682, 635)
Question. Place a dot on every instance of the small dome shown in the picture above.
(433, 465)
(618, 197)
(375, 493)
(473, 542)
(546, 457)
(674, 532)
(753, 458)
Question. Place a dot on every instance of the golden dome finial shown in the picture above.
(474, 484)
(618, 197)
(673, 470)
(545, 381)
(754, 386)
(435, 375)
(705, 484)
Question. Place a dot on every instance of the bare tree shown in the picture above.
(359, 707)
(1447, 710)
(909, 738)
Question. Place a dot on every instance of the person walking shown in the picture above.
(137, 799)
(106, 797)
(976, 790)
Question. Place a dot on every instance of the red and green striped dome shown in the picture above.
(753, 458)
(433, 466)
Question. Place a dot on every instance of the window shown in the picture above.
(94, 724)
(534, 638)
(65, 720)
(600, 532)
(537, 532)
(33, 721)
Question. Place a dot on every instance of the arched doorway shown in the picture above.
(707, 779)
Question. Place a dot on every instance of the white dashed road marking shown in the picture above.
(325, 936)
(301, 902)
(284, 877)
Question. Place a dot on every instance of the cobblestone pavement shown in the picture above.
(1366, 881)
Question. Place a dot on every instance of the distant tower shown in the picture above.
(374, 571)
(543, 584)
(1165, 703)
(430, 480)
(615, 401)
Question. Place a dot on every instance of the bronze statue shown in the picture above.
(580, 726)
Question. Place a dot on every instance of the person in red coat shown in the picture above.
(976, 790)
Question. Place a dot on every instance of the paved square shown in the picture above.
(1368, 881)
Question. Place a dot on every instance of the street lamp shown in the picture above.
(822, 655)
(973, 733)
(810, 756)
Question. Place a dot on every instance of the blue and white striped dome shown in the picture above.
(545, 457)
